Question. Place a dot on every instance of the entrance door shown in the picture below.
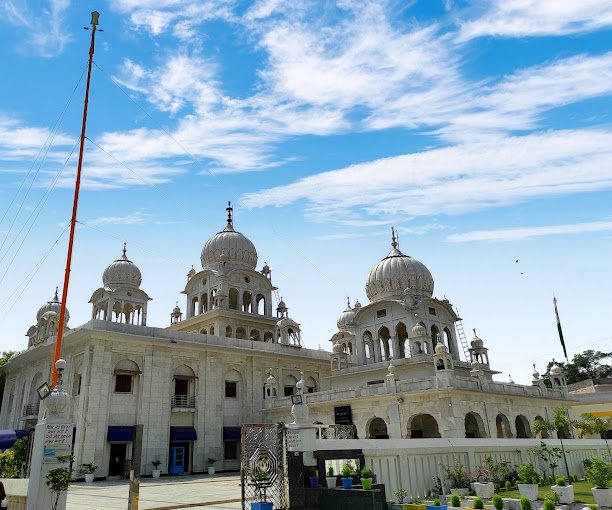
(177, 460)
(117, 459)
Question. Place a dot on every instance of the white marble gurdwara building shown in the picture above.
(182, 392)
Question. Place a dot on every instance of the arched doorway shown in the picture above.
(474, 426)
(378, 429)
(423, 426)
(502, 425)
(523, 430)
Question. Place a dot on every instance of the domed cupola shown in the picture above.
(237, 250)
(52, 306)
(122, 273)
(398, 274)
(345, 319)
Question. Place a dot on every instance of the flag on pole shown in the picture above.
(559, 329)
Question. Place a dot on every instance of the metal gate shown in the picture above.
(263, 466)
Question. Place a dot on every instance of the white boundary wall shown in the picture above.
(412, 464)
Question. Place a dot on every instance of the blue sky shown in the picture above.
(480, 130)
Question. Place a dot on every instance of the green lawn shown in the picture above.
(582, 493)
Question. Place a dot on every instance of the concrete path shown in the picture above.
(197, 492)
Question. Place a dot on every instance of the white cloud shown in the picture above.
(458, 179)
(135, 218)
(516, 234)
(519, 18)
(42, 24)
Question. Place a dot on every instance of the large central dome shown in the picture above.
(238, 250)
(398, 274)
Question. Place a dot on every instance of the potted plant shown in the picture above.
(599, 473)
(566, 492)
(312, 477)
(483, 487)
(366, 480)
(458, 476)
(400, 494)
(331, 478)
(211, 465)
(347, 480)
(88, 469)
(260, 480)
(156, 472)
(58, 479)
(529, 478)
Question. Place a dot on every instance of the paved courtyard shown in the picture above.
(198, 492)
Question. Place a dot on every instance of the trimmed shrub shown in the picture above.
(498, 502)
(455, 501)
(560, 481)
(478, 504)
(548, 505)
(525, 504)
(437, 502)
(508, 485)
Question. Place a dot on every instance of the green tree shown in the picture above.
(586, 365)
(4, 357)
(592, 424)
(561, 425)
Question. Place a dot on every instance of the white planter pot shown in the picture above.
(484, 490)
(529, 490)
(211, 470)
(155, 473)
(89, 477)
(331, 482)
(603, 497)
(566, 493)
(461, 492)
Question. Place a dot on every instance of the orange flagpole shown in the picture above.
(60, 328)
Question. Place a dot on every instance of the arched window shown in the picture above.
(204, 331)
(233, 384)
(311, 385)
(423, 426)
(268, 336)
(261, 304)
(246, 302)
(233, 299)
(289, 385)
(194, 306)
(125, 371)
(448, 339)
(503, 426)
(377, 429)
(228, 331)
(474, 426)
(523, 430)
(368, 345)
(435, 332)
(184, 387)
(204, 307)
(255, 335)
(385, 347)
(402, 336)
(240, 333)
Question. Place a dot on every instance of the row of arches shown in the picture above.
(242, 301)
(120, 311)
(243, 333)
(426, 426)
(381, 347)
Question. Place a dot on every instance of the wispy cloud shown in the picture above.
(516, 234)
(339, 236)
(135, 218)
(518, 18)
(457, 179)
(41, 23)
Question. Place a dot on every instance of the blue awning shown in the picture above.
(7, 438)
(183, 434)
(231, 433)
(22, 433)
(120, 433)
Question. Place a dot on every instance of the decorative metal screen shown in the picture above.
(263, 467)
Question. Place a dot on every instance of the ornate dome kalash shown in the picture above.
(238, 250)
(122, 273)
(52, 306)
(398, 274)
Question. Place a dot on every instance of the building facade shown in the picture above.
(182, 392)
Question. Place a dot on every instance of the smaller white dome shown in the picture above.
(52, 306)
(536, 374)
(418, 330)
(346, 317)
(176, 309)
(338, 349)
(555, 369)
(286, 322)
(477, 342)
(271, 380)
(441, 348)
(357, 305)
(122, 273)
